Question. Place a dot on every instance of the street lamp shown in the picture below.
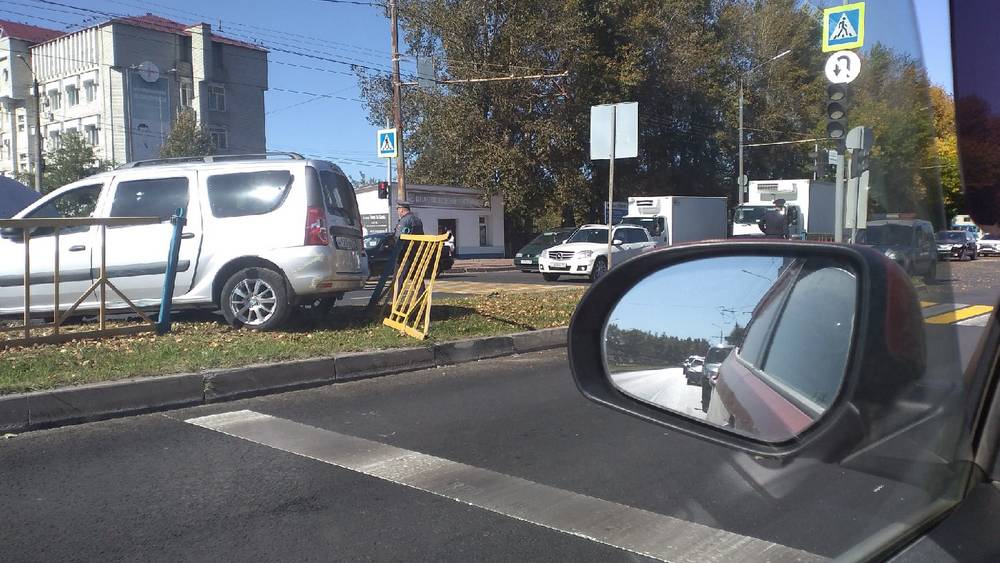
(740, 180)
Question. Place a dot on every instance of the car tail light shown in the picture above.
(316, 233)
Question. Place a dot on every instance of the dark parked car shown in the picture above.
(378, 247)
(909, 243)
(527, 258)
(957, 244)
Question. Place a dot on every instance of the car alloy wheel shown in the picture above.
(253, 302)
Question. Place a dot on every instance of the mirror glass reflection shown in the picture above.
(755, 344)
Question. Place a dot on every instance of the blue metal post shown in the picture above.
(170, 277)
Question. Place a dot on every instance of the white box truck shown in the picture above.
(677, 219)
(809, 204)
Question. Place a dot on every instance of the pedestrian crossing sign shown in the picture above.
(385, 144)
(844, 27)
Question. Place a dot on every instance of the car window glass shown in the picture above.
(248, 193)
(78, 202)
(819, 317)
(590, 235)
(157, 197)
(765, 315)
(338, 196)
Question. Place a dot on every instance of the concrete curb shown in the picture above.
(112, 399)
(475, 269)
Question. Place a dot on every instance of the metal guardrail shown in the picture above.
(101, 285)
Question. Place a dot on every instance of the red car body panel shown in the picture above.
(757, 410)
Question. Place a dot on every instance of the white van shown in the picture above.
(263, 235)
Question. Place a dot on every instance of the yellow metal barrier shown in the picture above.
(413, 285)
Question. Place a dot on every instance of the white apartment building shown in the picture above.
(120, 84)
(17, 109)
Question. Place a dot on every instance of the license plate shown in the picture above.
(526, 261)
(557, 265)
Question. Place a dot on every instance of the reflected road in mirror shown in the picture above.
(754, 344)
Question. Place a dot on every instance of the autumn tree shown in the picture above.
(187, 138)
(74, 159)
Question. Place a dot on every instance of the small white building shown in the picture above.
(475, 219)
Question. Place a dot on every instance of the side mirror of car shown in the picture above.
(12, 233)
(617, 242)
(815, 346)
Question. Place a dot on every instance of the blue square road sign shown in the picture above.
(844, 27)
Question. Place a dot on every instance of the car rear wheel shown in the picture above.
(255, 298)
(550, 277)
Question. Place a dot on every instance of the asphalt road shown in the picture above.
(155, 487)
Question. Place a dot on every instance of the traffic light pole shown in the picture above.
(838, 202)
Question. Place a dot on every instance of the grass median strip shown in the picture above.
(201, 342)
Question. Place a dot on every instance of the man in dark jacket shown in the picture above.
(408, 224)
(775, 221)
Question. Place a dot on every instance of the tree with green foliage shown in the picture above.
(187, 138)
(74, 159)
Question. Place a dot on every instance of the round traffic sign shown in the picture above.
(843, 67)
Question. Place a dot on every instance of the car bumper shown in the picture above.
(572, 267)
(950, 252)
(989, 251)
(312, 270)
(529, 264)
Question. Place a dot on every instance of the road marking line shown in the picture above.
(941, 308)
(624, 527)
(959, 314)
(980, 321)
(926, 304)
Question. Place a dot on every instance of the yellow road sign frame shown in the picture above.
(856, 44)
(410, 312)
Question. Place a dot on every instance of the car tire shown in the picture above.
(599, 268)
(961, 255)
(931, 276)
(975, 255)
(255, 298)
(550, 277)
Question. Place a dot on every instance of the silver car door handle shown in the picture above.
(187, 235)
(77, 248)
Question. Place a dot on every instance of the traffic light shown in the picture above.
(836, 111)
(383, 190)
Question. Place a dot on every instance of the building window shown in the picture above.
(90, 90)
(91, 134)
(220, 137)
(217, 55)
(484, 234)
(72, 96)
(6, 75)
(55, 140)
(217, 98)
(187, 93)
(20, 122)
(55, 99)
(185, 49)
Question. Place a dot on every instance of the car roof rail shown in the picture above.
(211, 158)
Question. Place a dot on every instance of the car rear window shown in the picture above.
(157, 197)
(338, 196)
(248, 193)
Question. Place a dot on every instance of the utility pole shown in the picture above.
(739, 178)
(397, 111)
(36, 91)
(38, 135)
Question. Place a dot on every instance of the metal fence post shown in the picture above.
(170, 277)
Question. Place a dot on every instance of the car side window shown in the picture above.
(819, 317)
(247, 193)
(78, 202)
(158, 197)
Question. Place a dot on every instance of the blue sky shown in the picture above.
(695, 299)
(334, 125)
